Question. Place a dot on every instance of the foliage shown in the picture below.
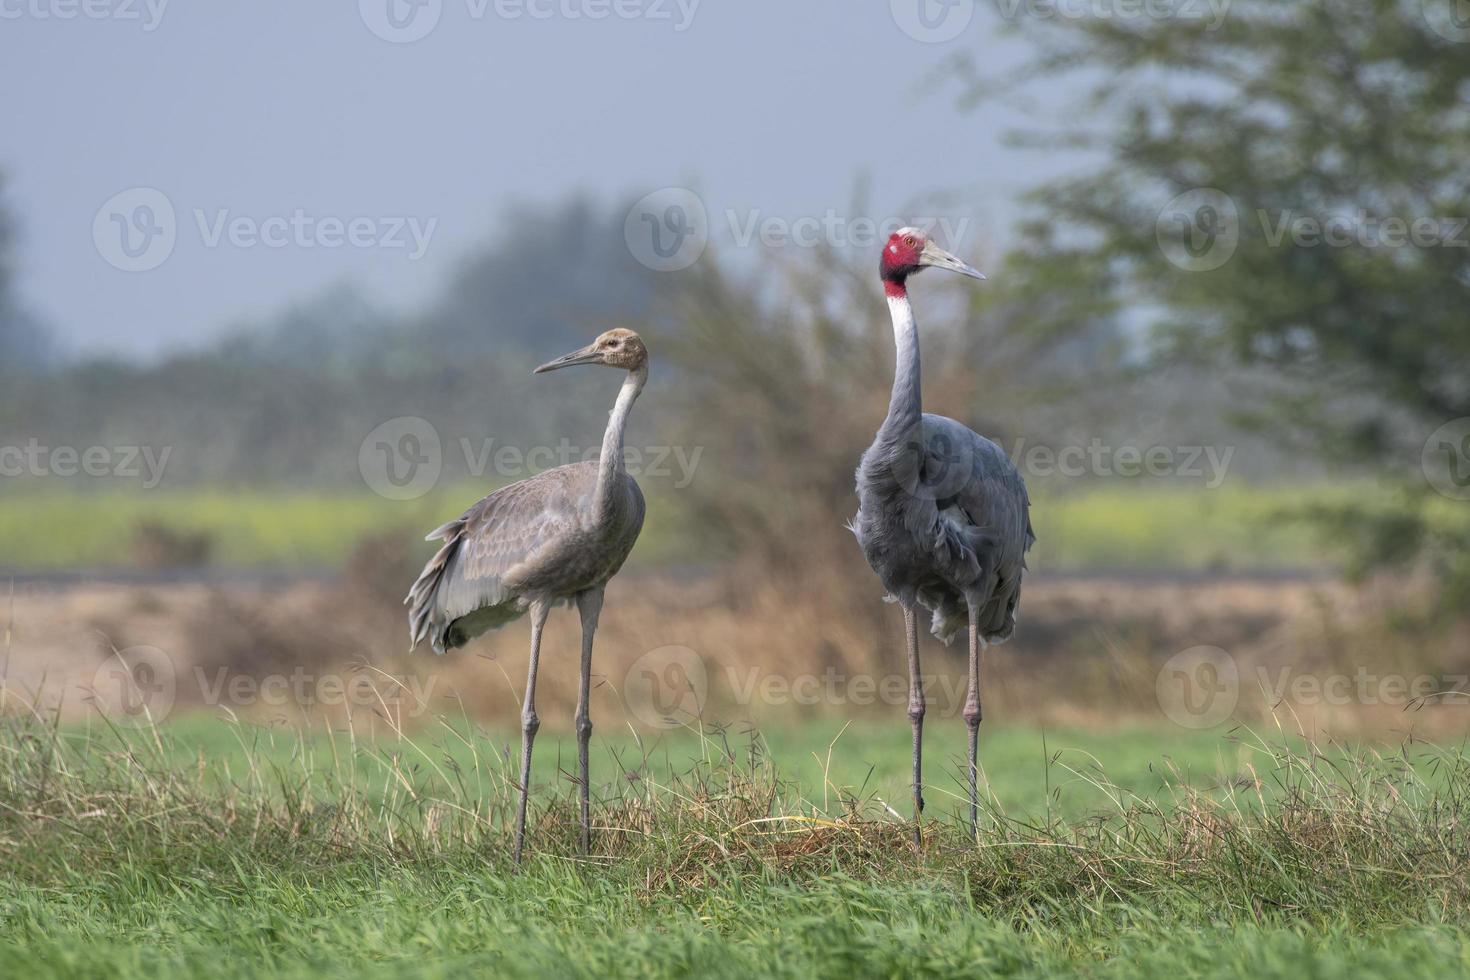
(1343, 116)
(24, 342)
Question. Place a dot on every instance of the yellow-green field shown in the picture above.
(1117, 526)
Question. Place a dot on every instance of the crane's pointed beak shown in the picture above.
(937, 257)
(587, 355)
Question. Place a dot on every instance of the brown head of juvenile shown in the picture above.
(619, 348)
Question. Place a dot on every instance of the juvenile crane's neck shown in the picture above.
(611, 467)
(905, 405)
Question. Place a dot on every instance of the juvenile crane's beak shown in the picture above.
(587, 355)
(937, 257)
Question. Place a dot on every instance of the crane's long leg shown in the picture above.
(589, 604)
(972, 716)
(529, 722)
(916, 715)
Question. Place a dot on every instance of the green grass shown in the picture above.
(1029, 773)
(216, 849)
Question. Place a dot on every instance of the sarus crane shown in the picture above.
(555, 538)
(943, 515)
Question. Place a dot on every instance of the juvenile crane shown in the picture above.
(943, 515)
(555, 538)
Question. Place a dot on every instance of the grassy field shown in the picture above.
(1112, 527)
(220, 849)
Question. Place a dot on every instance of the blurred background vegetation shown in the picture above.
(1318, 372)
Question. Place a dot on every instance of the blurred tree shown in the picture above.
(1285, 188)
(25, 344)
(547, 277)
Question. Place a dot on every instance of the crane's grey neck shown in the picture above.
(905, 405)
(610, 464)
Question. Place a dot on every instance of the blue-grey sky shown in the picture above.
(301, 112)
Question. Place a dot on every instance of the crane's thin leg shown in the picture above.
(972, 717)
(589, 604)
(529, 722)
(916, 715)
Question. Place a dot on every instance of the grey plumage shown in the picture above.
(553, 539)
(943, 516)
(536, 539)
(944, 519)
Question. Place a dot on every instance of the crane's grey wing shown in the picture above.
(983, 500)
(485, 553)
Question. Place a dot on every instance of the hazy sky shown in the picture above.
(284, 120)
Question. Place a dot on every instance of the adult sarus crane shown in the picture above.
(943, 515)
(554, 538)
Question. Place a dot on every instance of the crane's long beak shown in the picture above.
(940, 259)
(587, 355)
